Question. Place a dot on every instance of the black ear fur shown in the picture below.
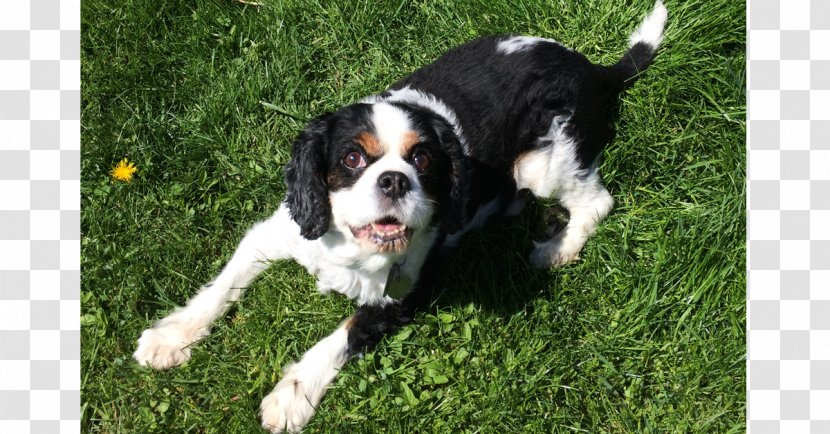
(305, 176)
(454, 200)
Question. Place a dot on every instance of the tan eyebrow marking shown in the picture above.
(370, 143)
(409, 139)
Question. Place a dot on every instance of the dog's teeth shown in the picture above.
(378, 231)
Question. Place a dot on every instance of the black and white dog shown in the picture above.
(376, 188)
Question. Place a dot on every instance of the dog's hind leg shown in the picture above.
(552, 170)
(167, 343)
(587, 202)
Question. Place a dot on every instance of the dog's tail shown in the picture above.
(643, 45)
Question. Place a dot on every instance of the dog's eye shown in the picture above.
(354, 160)
(421, 160)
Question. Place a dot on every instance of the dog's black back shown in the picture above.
(505, 101)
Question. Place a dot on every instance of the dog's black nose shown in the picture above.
(394, 184)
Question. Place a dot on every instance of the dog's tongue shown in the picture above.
(387, 224)
(386, 227)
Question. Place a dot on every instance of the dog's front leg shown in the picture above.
(295, 398)
(167, 343)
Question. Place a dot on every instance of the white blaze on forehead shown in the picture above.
(392, 127)
(426, 101)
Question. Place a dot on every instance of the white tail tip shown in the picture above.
(650, 30)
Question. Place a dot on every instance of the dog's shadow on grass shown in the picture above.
(490, 267)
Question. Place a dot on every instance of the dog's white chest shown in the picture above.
(365, 288)
(341, 267)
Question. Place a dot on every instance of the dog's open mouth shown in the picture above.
(387, 234)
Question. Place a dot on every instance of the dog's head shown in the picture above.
(378, 173)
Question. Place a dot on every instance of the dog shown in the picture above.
(377, 190)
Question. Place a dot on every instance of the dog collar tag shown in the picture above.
(397, 283)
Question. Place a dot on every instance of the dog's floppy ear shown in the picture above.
(305, 176)
(454, 199)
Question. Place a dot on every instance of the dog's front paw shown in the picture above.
(164, 346)
(288, 407)
(556, 252)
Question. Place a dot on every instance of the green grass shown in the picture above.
(646, 333)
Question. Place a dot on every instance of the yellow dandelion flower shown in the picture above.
(123, 171)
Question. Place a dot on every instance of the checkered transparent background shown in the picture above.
(788, 357)
(39, 216)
